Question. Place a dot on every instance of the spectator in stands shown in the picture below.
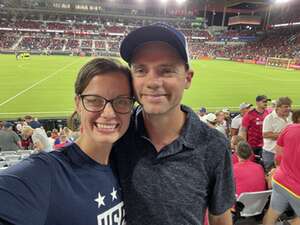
(63, 141)
(248, 175)
(273, 124)
(39, 138)
(76, 185)
(9, 140)
(252, 124)
(237, 120)
(221, 124)
(28, 119)
(234, 144)
(211, 120)
(202, 113)
(170, 155)
(50, 139)
(286, 182)
(273, 106)
(296, 116)
(227, 119)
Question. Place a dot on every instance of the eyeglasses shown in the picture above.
(96, 103)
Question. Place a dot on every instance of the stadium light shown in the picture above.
(281, 1)
(163, 1)
(179, 2)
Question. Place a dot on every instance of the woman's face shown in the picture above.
(220, 117)
(105, 126)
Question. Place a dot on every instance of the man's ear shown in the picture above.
(188, 78)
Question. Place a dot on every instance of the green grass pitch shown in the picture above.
(43, 86)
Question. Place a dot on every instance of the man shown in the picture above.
(202, 113)
(248, 175)
(38, 136)
(173, 166)
(236, 123)
(9, 140)
(273, 124)
(211, 120)
(252, 124)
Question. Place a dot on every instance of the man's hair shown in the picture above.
(237, 140)
(26, 130)
(296, 116)
(283, 101)
(28, 117)
(244, 150)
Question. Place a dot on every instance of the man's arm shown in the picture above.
(223, 219)
(271, 135)
(234, 132)
(244, 133)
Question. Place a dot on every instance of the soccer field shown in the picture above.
(43, 86)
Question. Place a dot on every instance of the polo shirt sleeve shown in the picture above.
(25, 192)
(235, 123)
(267, 124)
(222, 189)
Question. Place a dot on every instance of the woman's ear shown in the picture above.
(77, 103)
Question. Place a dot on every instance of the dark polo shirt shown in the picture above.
(176, 185)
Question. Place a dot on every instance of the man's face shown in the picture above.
(245, 110)
(283, 110)
(159, 77)
(263, 104)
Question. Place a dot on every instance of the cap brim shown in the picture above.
(149, 34)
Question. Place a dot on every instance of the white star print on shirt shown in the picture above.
(100, 200)
(114, 194)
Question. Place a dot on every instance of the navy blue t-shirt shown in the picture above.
(63, 187)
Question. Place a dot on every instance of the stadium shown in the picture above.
(241, 52)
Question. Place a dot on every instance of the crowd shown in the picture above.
(167, 147)
(281, 43)
(257, 142)
(28, 134)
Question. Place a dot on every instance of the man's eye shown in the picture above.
(167, 71)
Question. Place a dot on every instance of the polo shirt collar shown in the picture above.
(188, 135)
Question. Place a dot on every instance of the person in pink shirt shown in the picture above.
(286, 179)
(248, 175)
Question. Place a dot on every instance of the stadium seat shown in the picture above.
(251, 204)
(4, 153)
(3, 164)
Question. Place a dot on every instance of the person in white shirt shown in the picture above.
(202, 113)
(39, 138)
(236, 123)
(273, 124)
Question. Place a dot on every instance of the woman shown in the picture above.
(76, 185)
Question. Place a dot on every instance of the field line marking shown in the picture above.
(38, 82)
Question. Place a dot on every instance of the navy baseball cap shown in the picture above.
(262, 98)
(156, 32)
(34, 124)
(8, 124)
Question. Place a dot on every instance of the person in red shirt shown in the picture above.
(252, 124)
(286, 179)
(248, 175)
